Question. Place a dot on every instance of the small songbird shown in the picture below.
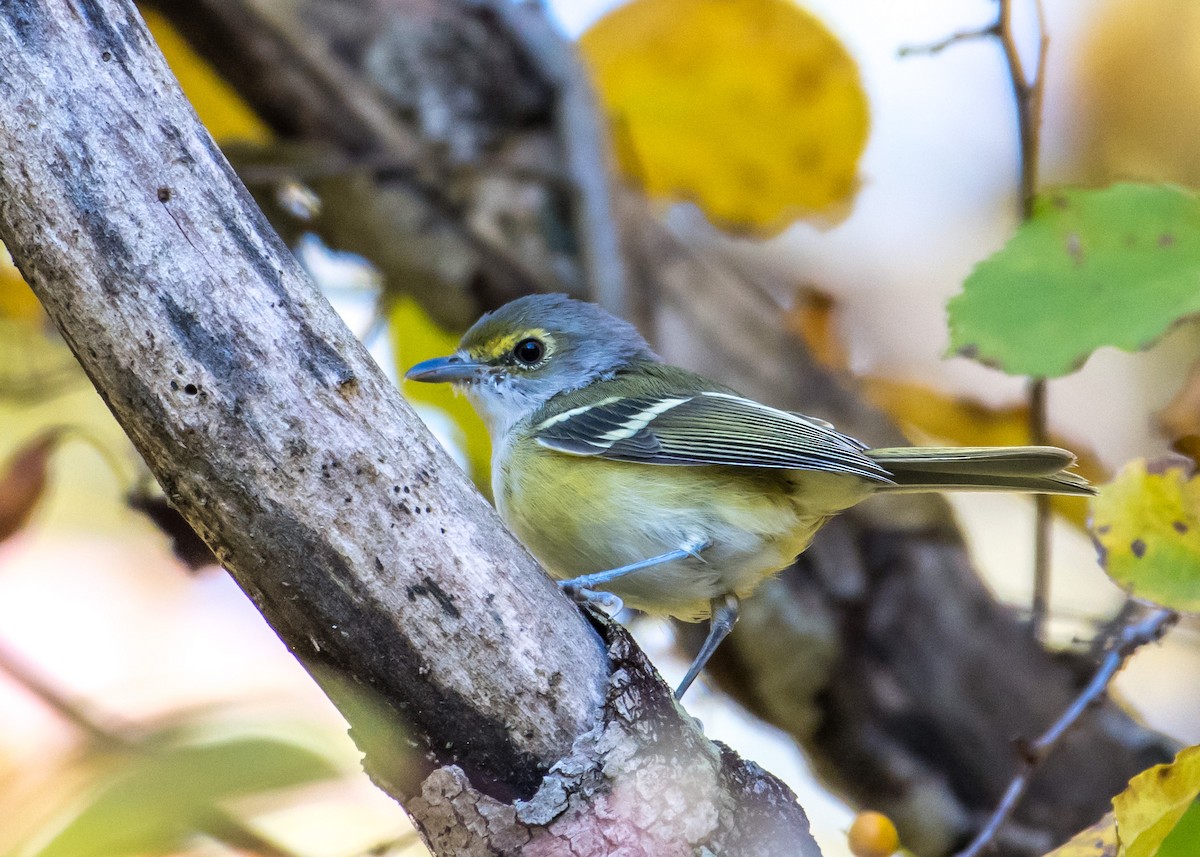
(628, 477)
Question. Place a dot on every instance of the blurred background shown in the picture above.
(109, 640)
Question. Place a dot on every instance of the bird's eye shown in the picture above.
(529, 351)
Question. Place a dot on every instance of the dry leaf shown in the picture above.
(24, 481)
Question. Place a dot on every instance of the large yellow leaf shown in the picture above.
(1148, 810)
(1146, 523)
(751, 108)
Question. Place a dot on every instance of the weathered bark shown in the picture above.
(470, 683)
(913, 712)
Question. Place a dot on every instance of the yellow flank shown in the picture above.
(581, 515)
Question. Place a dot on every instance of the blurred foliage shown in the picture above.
(415, 338)
(17, 301)
(1146, 523)
(1181, 416)
(1155, 802)
(223, 113)
(153, 798)
(1091, 268)
(1137, 93)
(23, 481)
(754, 110)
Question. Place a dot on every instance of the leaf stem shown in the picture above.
(1145, 630)
(1038, 435)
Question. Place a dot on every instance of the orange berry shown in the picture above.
(873, 835)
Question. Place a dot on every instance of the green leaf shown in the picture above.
(1155, 802)
(1146, 525)
(159, 799)
(1181, 842)
(1116, 267)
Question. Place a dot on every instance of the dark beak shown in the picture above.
(441, 369)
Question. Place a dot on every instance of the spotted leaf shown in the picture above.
(1091, 268)
(1146, 525)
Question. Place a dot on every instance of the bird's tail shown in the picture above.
(1036, 469)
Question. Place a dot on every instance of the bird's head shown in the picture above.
(515, 359)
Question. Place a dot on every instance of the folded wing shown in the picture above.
(704, 428)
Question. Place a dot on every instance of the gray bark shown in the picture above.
(480, 696)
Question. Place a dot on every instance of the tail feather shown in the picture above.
(1037, 469)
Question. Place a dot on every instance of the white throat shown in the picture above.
(502, 404)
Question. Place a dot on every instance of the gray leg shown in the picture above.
(587, 582)
(724, 617)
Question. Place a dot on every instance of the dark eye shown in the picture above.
(529, 351)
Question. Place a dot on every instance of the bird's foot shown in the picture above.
(605, 602)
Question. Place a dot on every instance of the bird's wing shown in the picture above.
(704, 428)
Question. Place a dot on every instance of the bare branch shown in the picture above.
(585, 145)
(1148, 629)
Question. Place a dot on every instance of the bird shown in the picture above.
(638, 483)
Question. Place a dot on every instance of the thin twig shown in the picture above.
(1038, 434)
(1028, 87)
(1027, 92)
(937, 47)
(1149, 628)
(221, 826)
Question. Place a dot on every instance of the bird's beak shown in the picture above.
(441, 369)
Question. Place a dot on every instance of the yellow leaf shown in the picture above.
(1146, 524)
(752, 109)
(17, 301)
(1154, 802)
(1099, 840)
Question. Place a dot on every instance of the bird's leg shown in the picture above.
(583, 588)
(724, 617)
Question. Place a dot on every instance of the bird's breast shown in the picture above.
(580, 515)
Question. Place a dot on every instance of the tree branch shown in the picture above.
(1149, 628)
(478, 693)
